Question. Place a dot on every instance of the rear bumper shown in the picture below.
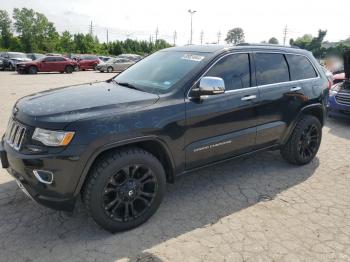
(58, 195)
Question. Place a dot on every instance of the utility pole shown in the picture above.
(107, 37)
(285, 32)
(219, 36)
(157, 31)
(192, 12)
(175, 36)
(91, 29)
(202, 34)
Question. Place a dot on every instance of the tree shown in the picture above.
(273, 40)
(235, 36)
(5, 29)
(36, 33)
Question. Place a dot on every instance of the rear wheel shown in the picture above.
(110, 69)
(32, 70)
(304, 142)
(124, 189)
(11, 67)
(69, 69)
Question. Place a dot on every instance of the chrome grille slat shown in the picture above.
(343, 98)
(14, 134)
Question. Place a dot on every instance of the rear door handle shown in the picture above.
(245, 98)
(297, 88)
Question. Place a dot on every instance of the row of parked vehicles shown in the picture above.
(33, 63)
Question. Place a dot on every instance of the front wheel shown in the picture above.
(32, 70)
(69, 69)
(124, 189)
(304, 142)
(110, 69)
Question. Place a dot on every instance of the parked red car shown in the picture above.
(47, 64)
(88, 62)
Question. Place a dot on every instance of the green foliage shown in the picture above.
(235, 36)
(273, 40)
(5, 29)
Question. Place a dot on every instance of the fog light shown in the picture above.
(43, 176)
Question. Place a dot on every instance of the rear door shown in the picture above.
(60, 64)
(281, 96)
(221, 126)
(48, 64)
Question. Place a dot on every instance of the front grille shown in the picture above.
(14, 134)
(343, 98)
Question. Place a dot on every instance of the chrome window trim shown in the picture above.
(257, 86)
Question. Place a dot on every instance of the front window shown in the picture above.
(161, 70)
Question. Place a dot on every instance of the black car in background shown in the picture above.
(12, 58)
(117, 143)
(4, 63)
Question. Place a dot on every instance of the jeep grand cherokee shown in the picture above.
(117, 143)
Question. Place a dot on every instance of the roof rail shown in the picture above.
(266, 44)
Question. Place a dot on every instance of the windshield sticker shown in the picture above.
(191, 57)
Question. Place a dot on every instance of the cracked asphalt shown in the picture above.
(257, 208)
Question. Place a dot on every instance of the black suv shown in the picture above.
(117, 143)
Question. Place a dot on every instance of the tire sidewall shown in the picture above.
(69, 69)
(309, 120)
(96, 208)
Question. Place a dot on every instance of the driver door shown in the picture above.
(224, 125)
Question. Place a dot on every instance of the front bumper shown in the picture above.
(60, 195)
(337, 110)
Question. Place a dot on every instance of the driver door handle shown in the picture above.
(245, 98)
(297, 88)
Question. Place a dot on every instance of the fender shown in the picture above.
(317, 109)
(112, 145)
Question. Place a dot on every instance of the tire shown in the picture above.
(69, 69)
(32, 70)
(11, 67)
(109, 69)
(304, 142)
(124, 189)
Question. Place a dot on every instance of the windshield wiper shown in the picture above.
(126, 84)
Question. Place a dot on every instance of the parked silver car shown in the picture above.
(115, 64)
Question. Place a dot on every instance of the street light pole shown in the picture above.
(191, 13)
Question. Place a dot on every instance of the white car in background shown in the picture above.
(115, 64)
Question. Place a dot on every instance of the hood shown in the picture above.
(18, 60)
(58, 107)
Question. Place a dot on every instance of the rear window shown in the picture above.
(300, 67)
(271, 68)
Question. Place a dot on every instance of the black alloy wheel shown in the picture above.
(129, 192)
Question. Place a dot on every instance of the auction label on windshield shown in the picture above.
(191, 57)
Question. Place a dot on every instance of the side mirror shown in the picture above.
(209, 86)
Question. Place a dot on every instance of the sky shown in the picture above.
(260, 20)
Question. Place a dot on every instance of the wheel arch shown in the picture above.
(316, 110)
(151, 144)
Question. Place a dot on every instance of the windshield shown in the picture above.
(161, 70)
(17, 55)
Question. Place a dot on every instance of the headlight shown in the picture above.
(52, 138)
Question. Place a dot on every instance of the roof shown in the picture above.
(216, 48)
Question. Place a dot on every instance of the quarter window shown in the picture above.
(234, 70)
(300, 67)
(271, 68)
